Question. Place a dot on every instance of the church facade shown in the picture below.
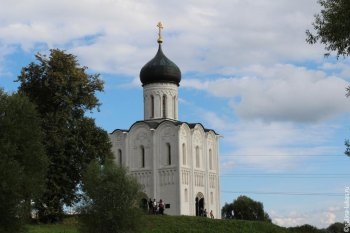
(175, 161)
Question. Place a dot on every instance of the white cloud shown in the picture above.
(281, 93)
(291, 219)
(320, 218)
(199, 35)
(273, 146)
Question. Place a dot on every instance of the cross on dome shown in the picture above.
(160, 27)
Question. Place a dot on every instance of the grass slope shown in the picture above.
(183, 224)
(170, 224)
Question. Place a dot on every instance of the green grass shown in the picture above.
(52, 228)
(69, 225)
(169, 224)
(179, 224)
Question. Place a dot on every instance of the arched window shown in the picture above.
(164, 106)
(186, 195)
(152, 106)
(142, 157)
(168, 148)
(197, 157)
(210, 159)
(174, 106)
(120, 157)
(184, 154)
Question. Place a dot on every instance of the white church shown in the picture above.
(175, 161)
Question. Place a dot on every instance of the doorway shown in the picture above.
(199, 204)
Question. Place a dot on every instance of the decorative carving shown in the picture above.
(142, 138)
(185, 176)
(144, 178)
(199, 178)
(183, 134)
(167, 176)
(196, 137)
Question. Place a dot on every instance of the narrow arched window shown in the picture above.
(197, 157)
(142, 157)
(184, 154)
(186, 195)
(120, 157)
(168, 148)
(174, 106)
(210, 159)
(152, 106)
(164, 106)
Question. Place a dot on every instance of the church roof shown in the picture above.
(154, 125)
(160, 70)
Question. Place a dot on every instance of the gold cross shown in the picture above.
(160, 27)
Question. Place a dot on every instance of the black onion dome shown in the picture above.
(160, 70)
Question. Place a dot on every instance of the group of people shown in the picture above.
(204, 213)
(155, 207)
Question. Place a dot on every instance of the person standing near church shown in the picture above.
(211, 214)
(154, 206)
(150, 206)
(161, 207)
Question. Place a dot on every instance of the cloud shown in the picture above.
(320, 218)
(282, 92)
(273, 146)
(291, 219)
(199, 36)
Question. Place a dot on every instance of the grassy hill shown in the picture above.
(186, 224)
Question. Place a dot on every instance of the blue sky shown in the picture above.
(247, 73)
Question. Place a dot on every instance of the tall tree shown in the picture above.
(332, 28)
(23, 161)
(111, 200)
(63, 92)
(245, 208)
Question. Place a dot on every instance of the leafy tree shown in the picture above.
(332, 27)
(63, 92)
(306, 228)
(336, 228)
(111, 200)
(23, 161)
(227, 211)
(245, 208)
(347, 150)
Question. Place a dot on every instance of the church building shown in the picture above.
(175, 161)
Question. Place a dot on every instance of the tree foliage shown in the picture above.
(111, 200)
(332, 27)
(23, 161)
(63, 92)
(336, 227)
(245, 208)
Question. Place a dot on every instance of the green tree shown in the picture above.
(332, 27)
(227, 211)
(245, 208)
(23, 161)
(111, 200)
(336, 228)
(63, 92)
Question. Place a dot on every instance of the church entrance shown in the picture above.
(199, 202)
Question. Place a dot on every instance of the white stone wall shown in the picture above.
(156, 97)
(179, 181)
